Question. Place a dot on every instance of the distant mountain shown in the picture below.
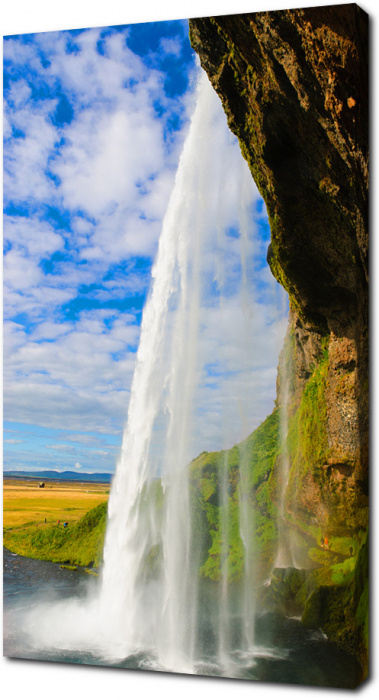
(61, 476)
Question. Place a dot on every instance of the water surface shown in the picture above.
(284, 652)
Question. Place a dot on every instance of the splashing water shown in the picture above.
(202, 270)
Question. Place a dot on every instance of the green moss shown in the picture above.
(320, 556)
(335, 598)
(343, 573)
(220, 482)
(306, 525)
(283, 592)
(307, 438)
(348, 546)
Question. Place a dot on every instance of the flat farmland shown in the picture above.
(24, 503)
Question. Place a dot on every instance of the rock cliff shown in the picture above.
(294, 86)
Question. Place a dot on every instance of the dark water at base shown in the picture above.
(286, 651)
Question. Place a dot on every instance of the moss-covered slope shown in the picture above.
(220, 483)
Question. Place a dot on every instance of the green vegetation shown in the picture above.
(307, 438)
(238, 488)
(221, 482)
(336, 600)
(79, 544)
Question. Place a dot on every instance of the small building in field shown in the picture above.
(41, 485)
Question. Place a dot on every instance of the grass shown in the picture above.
(26, 505)
(31, 515)
(80, 544)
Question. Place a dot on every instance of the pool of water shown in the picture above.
(284, 651)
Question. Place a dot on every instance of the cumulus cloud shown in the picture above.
(85, 189)
(171, 46)
(81, 369)
(92, 144)
(26, 156)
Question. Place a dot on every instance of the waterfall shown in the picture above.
(162, 389)
(196, 385)
(162, 615)
(289, 553)
(284, 556)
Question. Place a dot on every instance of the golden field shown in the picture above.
(24, 503)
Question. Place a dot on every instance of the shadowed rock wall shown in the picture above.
(294, 86)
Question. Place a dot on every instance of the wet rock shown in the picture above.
(294, 86)
(285, 584)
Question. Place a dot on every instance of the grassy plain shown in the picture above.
(31, 515)
(24, 504)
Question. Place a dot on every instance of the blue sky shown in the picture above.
(94, 125)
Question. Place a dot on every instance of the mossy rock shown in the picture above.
(321, 557)
(314, 608)
(285, 584)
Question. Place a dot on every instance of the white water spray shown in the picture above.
(200, 337)
(284, 557)
(187, 236)
(163, 386)
(290, 551)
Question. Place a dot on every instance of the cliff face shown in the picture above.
(294, 86)
(294, 89)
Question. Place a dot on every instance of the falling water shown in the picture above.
(289, 553)
(200, 340)
(168, 369)
(284, 556)
(163, 390)
(245, 609)
(203, 322)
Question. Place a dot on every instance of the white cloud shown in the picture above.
(19, 94)
(50, 331)
(80, 379)
(37, 239)
(19, 272)
(170, 46)
(108, 159)
(60, 448)
(26, 157)
(112, 163)
(108, 175)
